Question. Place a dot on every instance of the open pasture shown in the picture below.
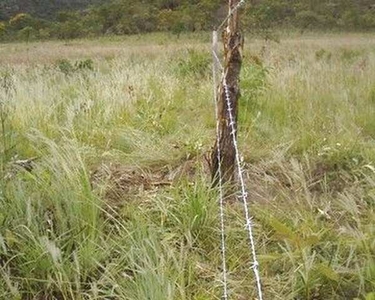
(105, 190)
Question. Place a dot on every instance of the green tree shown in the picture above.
(20, 21)
(176, 16)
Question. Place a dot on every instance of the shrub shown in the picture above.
(308, 19)
(44, 33)
(368, 20)
(69, 30)
(2, 29)
(27, 33)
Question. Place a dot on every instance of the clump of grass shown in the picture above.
(350, 55)
(323, 55)
(87, 64)
(193, 63)
(66, 67)
(7, 135)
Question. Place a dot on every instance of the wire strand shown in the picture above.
(231, 12)
(244, 195)
(215, 65)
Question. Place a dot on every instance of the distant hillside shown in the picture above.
(41, 8)
(68, 19)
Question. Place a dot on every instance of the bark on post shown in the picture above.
(233, 43)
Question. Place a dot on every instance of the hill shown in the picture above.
(63, 19)
(41, 8)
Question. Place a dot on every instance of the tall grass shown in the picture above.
(147, 226)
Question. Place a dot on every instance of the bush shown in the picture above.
(44, 33)
(178, 28)
(69, 30)
(2, 30)
(308, 19)
(350, 19)
(27, 33)
(368, 20)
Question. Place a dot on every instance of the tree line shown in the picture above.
(118, 17)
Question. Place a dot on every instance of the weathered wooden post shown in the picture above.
(233, 43)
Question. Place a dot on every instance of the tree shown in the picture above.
(20, 21)
(78, 18)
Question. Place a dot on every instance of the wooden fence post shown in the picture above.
(233, 43)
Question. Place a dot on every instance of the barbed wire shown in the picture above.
(243, 193)
(220, 177)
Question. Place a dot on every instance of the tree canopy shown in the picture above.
(79, 18)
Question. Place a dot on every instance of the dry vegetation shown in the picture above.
(105, 193)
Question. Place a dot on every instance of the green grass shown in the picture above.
(119, 204)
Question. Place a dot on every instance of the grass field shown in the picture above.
(105, 190)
